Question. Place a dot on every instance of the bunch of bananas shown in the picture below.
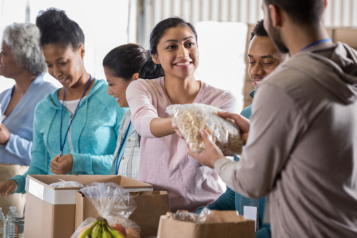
(100, 229)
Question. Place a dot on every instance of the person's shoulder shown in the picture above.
(247, 112)
(5, 93)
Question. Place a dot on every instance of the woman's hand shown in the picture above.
(4, 135)
(210, 154)
(242, 122)
(7, 187)
(62, 165)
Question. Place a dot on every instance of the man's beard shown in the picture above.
(275, 36)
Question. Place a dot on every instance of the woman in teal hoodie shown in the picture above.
(75, 128)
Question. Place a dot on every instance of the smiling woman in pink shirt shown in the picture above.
(164, 161)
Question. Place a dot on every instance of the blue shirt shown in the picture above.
(20, 122)
(122, 148)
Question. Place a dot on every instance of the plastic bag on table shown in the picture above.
(66, 184)
(114, 205)
(206, 216)
(192, 118)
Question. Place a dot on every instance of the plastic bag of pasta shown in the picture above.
(192, 118)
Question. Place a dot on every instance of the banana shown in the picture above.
(105, 233)
(115, 233)
(97, 231)
(88, 231)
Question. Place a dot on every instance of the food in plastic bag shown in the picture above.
(66, 184)
(206, 216)
(114, 205)
(192, 118)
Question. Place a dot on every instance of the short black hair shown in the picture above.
(259, 30)
(303, 12)
(57, 28)
(126, 60)
(151, 70)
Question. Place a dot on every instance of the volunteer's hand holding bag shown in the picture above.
(192, 118)
(114, 205)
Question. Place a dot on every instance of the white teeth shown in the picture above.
(186, 63)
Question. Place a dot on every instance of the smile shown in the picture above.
(183, 63)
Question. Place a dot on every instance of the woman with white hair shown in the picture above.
(22, 60)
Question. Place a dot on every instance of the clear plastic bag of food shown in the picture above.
(66, 184)
(206, 216)
(192, 118)
(114, 205)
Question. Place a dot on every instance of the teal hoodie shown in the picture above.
(93, 134)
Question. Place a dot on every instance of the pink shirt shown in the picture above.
(164, 162)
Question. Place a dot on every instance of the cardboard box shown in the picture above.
(346, 35)
(150, 206)
(231, 226)
(50, 212)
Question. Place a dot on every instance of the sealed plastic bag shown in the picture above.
(192, 118)
(66, 184)
(206, 216)
(114, 205)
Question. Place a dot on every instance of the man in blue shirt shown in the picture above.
(263, 59)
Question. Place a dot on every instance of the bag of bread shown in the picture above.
(192, 118)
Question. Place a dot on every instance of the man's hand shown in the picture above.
(242, 122)
(211, 153)
(7, 187)
(4, 135)
(62, 165)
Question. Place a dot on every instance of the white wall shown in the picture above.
(104, 23)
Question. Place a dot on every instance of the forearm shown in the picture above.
(161, 127)
(19, 147)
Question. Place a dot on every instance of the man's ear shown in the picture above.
(155, 59)
(82, 51)
(275, 15)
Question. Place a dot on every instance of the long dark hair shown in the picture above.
(150, 70)
(126, 60)
(57, 28)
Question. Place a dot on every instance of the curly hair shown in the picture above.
(57, 28)
(23, 40)
(258, 30)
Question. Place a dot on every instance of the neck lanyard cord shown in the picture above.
(316, 43)
(65, 137)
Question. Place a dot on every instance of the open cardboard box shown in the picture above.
(231, 225)
(150, 205)
(50, 212)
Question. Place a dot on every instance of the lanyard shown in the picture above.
(119, 152)
(65, 137)
(7, 104)
(316, 43)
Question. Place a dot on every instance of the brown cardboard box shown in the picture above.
(50, 212)
(231, 226)
(346, 35)
(150, 206)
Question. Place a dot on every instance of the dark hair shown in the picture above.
(303, 12)
(126, 60)
(259, 30)
(151, 70)
(56, 27)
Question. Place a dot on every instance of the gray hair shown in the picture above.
(24, 42)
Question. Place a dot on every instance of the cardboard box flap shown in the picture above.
(39, 186)
(46, 180)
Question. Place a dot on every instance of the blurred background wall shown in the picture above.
(223, 28)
